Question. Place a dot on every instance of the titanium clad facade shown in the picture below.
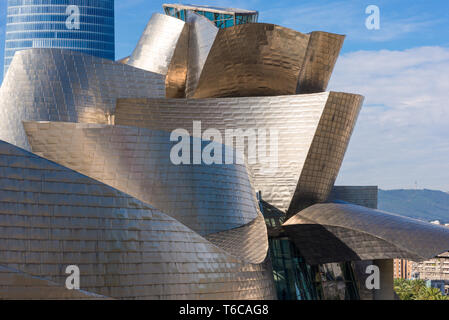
(248, 60)
(334, 232)
(220, 194)
(310, 152)
(366, 196)
(124, 248)
(61, 85)
(248, 242)
(16, 285)
(206, 198)
(157, 45)
(245, 60)
(322, 54)
(327, 151)
(201, 38)
(175, 82)
(80, 25)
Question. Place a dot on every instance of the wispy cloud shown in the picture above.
(348, 17)
(403, 130)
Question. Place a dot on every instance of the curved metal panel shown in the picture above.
(16, 285)
(366, 196)
(157, 44)
(202, 36)
(344, 232)
(52, 217)
(327, 151)
(307, 127)
(60, 85)
(123, 60)
(175, 82)
(322, 54)
(254, 59)
(206, 198)
(249, 242)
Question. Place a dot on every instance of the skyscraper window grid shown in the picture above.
(80, 25)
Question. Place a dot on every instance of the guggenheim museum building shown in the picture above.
(202, 166)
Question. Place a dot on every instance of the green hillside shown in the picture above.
(420, 204)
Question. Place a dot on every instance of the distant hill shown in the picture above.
(420, 204)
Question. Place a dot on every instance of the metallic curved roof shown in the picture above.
(206, 198)
(52, 217)
(322, 54)
(254, 59)
(249, 242)
(259, 59)
(333, 232)
(201, 38)
(62, 85)
(17, 285)
(313, 132)
(157, 44)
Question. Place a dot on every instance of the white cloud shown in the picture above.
(403, 129)
(348, 17)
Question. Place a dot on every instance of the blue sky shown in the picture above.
(402, 136)
(2, 35)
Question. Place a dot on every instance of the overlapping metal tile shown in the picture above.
(175, 82)
(17, 285)
(334, 232)
(327, 151)
(322, 54)
(366, 196)
(52, 217)
(259, 59)
(254, 59)
(201, 38)
(157, 44)
(312, 133)
(61, 85)
(249, 242)
(206, 198)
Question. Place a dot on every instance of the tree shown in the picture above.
(416, 290)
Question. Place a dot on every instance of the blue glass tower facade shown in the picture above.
(80, 25)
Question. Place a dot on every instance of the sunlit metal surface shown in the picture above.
(17, 285)
(322, 53)
(268, 60)
(175, 82)
(206, 198)
(157, 44)
(123, 60)
(249, 242)
(202, 36)
(314, 131)
(253, 59)
(344, 232)
(366, 196)
(52, 217)
(327, 151)
(149, 229)
(61, 85)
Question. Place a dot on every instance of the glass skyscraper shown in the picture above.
(80, 25)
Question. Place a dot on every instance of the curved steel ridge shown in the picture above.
(206, 198)
(62, 85)
(396, 236)
(260, 59)
(124, 248)
(157, 44)
(313, 132)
